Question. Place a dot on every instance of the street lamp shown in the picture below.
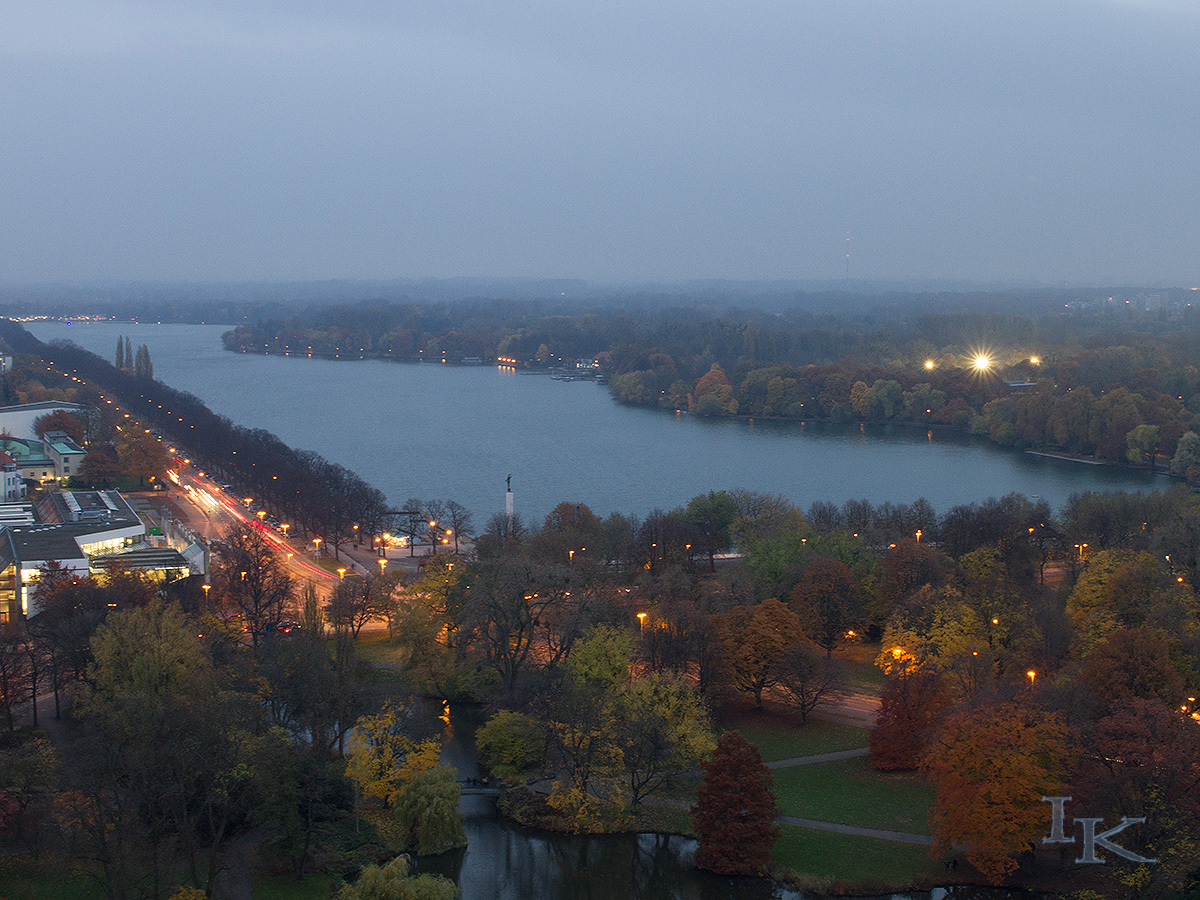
(1032, 675)
(207, 588)
(284, 527)
(919, 532)
(641, 620)
(316, 546)
(341, 571)
(382, 564)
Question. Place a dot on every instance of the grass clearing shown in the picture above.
(847, 857)
(783, 738)
(850, 792)
(288, 887)
(24, 878)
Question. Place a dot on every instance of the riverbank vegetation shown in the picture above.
(1112, 379)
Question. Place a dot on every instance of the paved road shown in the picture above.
(900, 836)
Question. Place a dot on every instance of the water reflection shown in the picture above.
(508, 862)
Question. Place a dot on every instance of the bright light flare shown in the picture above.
(982, 363)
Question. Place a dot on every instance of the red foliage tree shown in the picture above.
(912, 703)
(735, 811)
(60, 420)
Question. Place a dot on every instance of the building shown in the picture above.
(72, 528)
(11, 482)
(63, 452)
(18, 420)
(30, 456)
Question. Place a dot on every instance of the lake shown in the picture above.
(429, 430)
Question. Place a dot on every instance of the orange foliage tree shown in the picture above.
(990, 769)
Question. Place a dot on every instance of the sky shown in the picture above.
(1034, 142)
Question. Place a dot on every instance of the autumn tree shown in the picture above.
(756, 640)
(101, 465)
(383, 759)
(1133, 663)
(990, 767)
(827, 599)
(734, 815)
(912, 703)
(60, 420)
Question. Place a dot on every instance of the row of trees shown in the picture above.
(319, 496)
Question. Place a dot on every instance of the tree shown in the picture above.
(119, 361)
(142, 455)
(250, 580)
(427, 812)
(663, 730)
(913, 701)
(394, 881)
(511, 744)
(827, 599)
(735, 810)
(60, 420)
(990, 768)
(359, 598)
(1133, 663)
(711, 516)
(1187, 454)
(382, 759)
(459, 519)
(807, 678)
(101, 465)
(1142, 445)
(756, 640)
(142, 367)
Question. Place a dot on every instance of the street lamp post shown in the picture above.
(641, 617)
(316, 546)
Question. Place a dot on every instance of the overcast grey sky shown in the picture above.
(1043, 141)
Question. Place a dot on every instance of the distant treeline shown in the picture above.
(1118, 384)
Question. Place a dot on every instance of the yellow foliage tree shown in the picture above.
(383, 759)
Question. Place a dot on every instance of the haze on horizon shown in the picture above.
(1043, 141)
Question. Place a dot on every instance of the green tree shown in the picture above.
(711, 516)
(511, 744)
(395, 881)
(1142, 445)
(427, 812)
(664, 731)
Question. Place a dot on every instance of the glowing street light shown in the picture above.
(929, 364)
(982, 363)
(284, 527)
(1032, 675)
(382, 564)
(919, 533)
(316, 546)
(341, 571)
(641, 617)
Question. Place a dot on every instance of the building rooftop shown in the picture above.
(153, 558)
(62, 442)
(94, 508)
(46, 405)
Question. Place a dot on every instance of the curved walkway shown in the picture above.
(901, 836)
(818, 758)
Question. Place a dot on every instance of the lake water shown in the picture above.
(429, 430)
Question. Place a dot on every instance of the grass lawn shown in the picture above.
(286, 887)
(847, 857)
(783, 738)
(864, 675)
(23, 878)
(376, 648)
(850, 792)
